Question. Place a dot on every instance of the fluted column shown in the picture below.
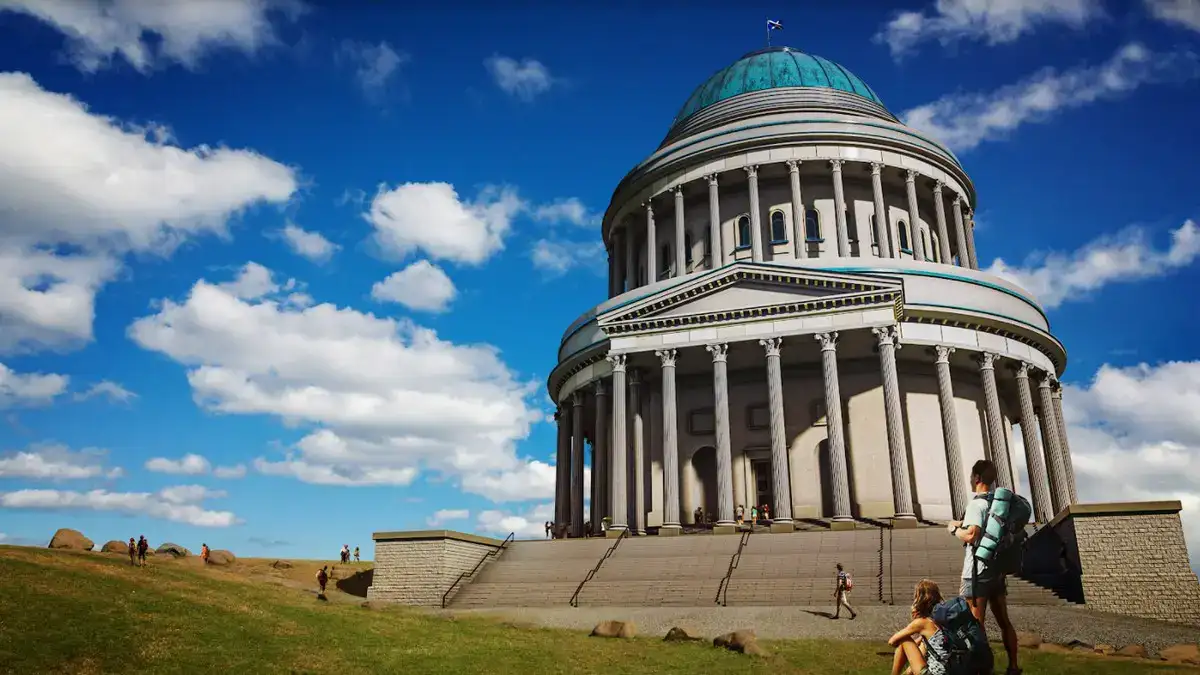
(954, 466)
(943, 231)
(780, 475)
(714, 221)
(619, 443)
(960, 232)
(897, 448)
(882, 231)
(637, 501)
(651, 244)
(756, 239)
(995, 425)
(914, 215)
(1061, 497)
(577, 464)
(562, 466)
(839, 208)
(601, 457)
(721, 416)
(971, 241)
(631, 280)
(1066, 447)
(680, 236)
(798, 220)
(837, 438)
(1033, 449)
(670, 422)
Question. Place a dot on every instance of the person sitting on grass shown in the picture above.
(916, 644)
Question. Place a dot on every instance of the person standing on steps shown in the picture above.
(845, 583)
(547, 529)
(741, 515)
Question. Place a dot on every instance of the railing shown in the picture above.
(723, 588)
(607, 554)
(886, 566)
(490, 554)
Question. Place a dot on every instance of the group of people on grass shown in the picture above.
(344, 554)
(137, 551)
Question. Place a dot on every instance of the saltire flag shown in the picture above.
(774, 25)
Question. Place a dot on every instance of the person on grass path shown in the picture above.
(323, 578)
(842, 595)
(204, 553)
(132, 552)
(142, 547)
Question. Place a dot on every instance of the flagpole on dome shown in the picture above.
(772, 25)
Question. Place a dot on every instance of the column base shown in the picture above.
(728, 528)
(670, 531)
(782, 528)
(842, 525)
(614, 531)
(904, 522)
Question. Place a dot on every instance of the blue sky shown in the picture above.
(279, 274)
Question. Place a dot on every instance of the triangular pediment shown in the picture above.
(749, 292)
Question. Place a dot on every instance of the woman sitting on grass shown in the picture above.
(927, 658)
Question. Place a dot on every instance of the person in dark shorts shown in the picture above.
(323, 578)
(142, 547)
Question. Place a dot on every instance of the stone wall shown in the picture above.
(417, 568)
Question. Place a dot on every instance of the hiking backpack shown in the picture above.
(1002, 544)
(849, 585)
(963, 640)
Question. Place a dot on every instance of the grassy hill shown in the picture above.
(93, 613)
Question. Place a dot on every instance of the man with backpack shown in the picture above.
(983, 576)
(842, 595)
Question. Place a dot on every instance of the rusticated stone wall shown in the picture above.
(417, 568)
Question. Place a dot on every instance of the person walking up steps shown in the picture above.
(845, 583)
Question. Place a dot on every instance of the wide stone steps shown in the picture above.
(523, 594)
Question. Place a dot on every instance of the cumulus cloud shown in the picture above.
(235, 471)
(84, 190)
(566, 210)
(556, 258)
(421, 286)
(527, 524)
(963, 121)
(384, 398)
(1055, 278)
(181, 504)
(311, 245)
(430, 217)
(150, 34)
(188, 465)
(1184, 13)
(375, 65)
(523, 79)
(106, 389)
(993, 21)
(52, 461)
(443, 516)
(29, 389)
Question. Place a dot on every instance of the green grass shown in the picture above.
(62, 612)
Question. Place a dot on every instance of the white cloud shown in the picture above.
(235, 471)
(1055, 278)
(181, 504)
(49, 461)
(90, 189)
(528, 524)
(421, 286)
(311, 245)
(3, 537)
(559, 257)
(444, 516)
(568, 210)
(430, 217)
(188, 465)
(386, 398)
(108, 389)
(524, 79)
(18, 389)
(1185, 13)
(375, 65)
(993, 21)
(963, 121)
(149, 34)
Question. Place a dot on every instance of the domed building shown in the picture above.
(797, 318)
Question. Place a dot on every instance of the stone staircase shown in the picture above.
(533, 574)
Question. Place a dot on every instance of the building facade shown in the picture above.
(797, 318)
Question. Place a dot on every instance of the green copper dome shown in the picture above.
(773, 68)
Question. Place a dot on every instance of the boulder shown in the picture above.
(1106, 650)
(115, 546)
(678, 634)
(1185, 653)
(614, 629)
(281, 565)
(174, 550)
(1132, 651)
(71, 540)
(221, 557)
(1027, 640)
(1079, 646)
(738, 641)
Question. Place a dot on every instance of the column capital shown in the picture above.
(1057, 391)
(601, 388)
(836, 164)
(577, 397)
(937, 187)
(635, 377)
(943, 353)
(886, 334)
(712, 179)
(649, 206)
(751, 171)
(1021, 370)
(773, 345)
(558, 413)
(617, 361)
(828, 341)
(876, 168)
(958, 200)
(910, 176)
(1046, 379)
(678, 190)
(667, 356)
(793, 165)
(719, 351)
(987, 360)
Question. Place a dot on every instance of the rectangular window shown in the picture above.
(701, 422)
(758, 417)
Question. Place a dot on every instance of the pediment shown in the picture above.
(745, 292)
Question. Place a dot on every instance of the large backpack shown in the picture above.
(963, 641)
(1002, 545)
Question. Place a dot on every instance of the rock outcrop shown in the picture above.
(173, 549)
(115, 546)
(614, 629)
(71, 540)
(221, 557)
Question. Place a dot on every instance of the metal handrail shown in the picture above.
(723, 589)
(607, 554)
(490, 554)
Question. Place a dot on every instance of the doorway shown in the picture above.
(764, 491)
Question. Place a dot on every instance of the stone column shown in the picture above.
(954, 466)
(631, 280)
(960, 232)
(839, 208)
(670, 422)
(721, 417)
(837, 437)
(914, 215)
(905, 516)
(637, 501)
(1033, 449)
(943, 231)
(651, 244)
(562, 467)
(714, 221)
(619, 441)
(577, 464)
(601, 457)
(1061, 496)
(995, 424)
(882, 230)
(1066, 447)
(780, 475)
(798, 219)
(971, 241)
(756, 239)
(680, 234)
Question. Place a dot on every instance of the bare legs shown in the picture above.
(1008, 634)
(908, 653)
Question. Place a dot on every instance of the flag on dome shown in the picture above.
(774, 25)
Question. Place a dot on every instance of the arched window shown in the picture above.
(687, 247)
(778, 228)
(743, 231)
(664, 261)
(812, 225)
(903, 227)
